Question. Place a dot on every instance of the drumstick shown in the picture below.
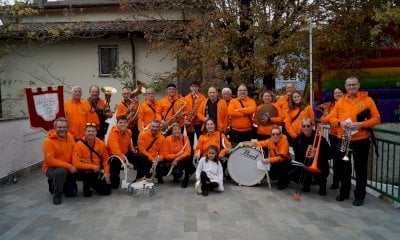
(266, 172)
(172, 166)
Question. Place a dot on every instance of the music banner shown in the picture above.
(45, 104)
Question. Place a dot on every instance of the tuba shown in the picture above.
(108, 92)
(135, 104)
(267, 110)
(313, 152)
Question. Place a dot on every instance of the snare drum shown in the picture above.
(242, 166)
(142, 189)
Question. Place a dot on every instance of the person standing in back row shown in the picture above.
(355, 114)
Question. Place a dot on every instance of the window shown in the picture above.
(108, 59)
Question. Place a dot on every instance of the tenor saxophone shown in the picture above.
(173, 119)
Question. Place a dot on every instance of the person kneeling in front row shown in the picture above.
(209, 173)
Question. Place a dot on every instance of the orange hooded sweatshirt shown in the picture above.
(349, 108)
(57, 152)
(278, 152)
(119, 142)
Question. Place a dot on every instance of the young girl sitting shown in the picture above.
(209, 173)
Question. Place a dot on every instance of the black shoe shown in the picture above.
(176, 180)
(160, 180)
(185, 183)
(306, 189)
(87, 194)
(322, 190)
(204, 192)
(341, 198)
(335, 185)
(358, 202)
(57, 200)
(282, 186)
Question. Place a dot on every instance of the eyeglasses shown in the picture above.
(90, 124)
(275, 134)
(62, 127)
(306, 126)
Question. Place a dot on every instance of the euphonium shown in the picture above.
(135, 104)
(345, 145)
(313, 151)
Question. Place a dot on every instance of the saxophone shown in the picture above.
(193, 113)
(173, 119)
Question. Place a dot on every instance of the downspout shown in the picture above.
(133, 58)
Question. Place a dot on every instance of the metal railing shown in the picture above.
(383, 171)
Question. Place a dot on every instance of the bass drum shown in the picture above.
(242, 166)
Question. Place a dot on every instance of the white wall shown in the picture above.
(76, 63)
(20, 146)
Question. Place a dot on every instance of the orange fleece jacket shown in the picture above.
(147, 114)
(172, 146)
(119, 143)
(293, 127)
(164, 105)
(145, 139)
(240, 116)
(57, 152)
(349, 108)
(278, 152)
(205, 140)
(81, 151)
(77, 118)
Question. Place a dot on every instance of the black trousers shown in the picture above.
(237, 137)
(141, 163)
(206, 184)
(61, 181)
(197, 130)
(92, 180)
(359, 153)
(164, 166)
(280, 171)
(333, 140)
(135, 134)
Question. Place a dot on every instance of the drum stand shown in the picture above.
(266, 171)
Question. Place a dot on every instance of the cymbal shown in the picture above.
(267, 109)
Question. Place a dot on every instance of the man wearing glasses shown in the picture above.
(57, 162)
(90, 157)
(241, 110)
(301, 143)
(172, 108)
(278, 156)
(355, 114)
(147, 110)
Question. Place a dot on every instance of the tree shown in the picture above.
(230, 41)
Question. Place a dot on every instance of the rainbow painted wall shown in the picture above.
(379, 76)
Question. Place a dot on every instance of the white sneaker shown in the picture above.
(197, 187)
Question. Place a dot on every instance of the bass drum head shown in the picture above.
(242, 166)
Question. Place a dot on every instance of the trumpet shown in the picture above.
(108, 92)
(324, 107)
(345, 145)
(312, 152)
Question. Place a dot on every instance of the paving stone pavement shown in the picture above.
(27, 212)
